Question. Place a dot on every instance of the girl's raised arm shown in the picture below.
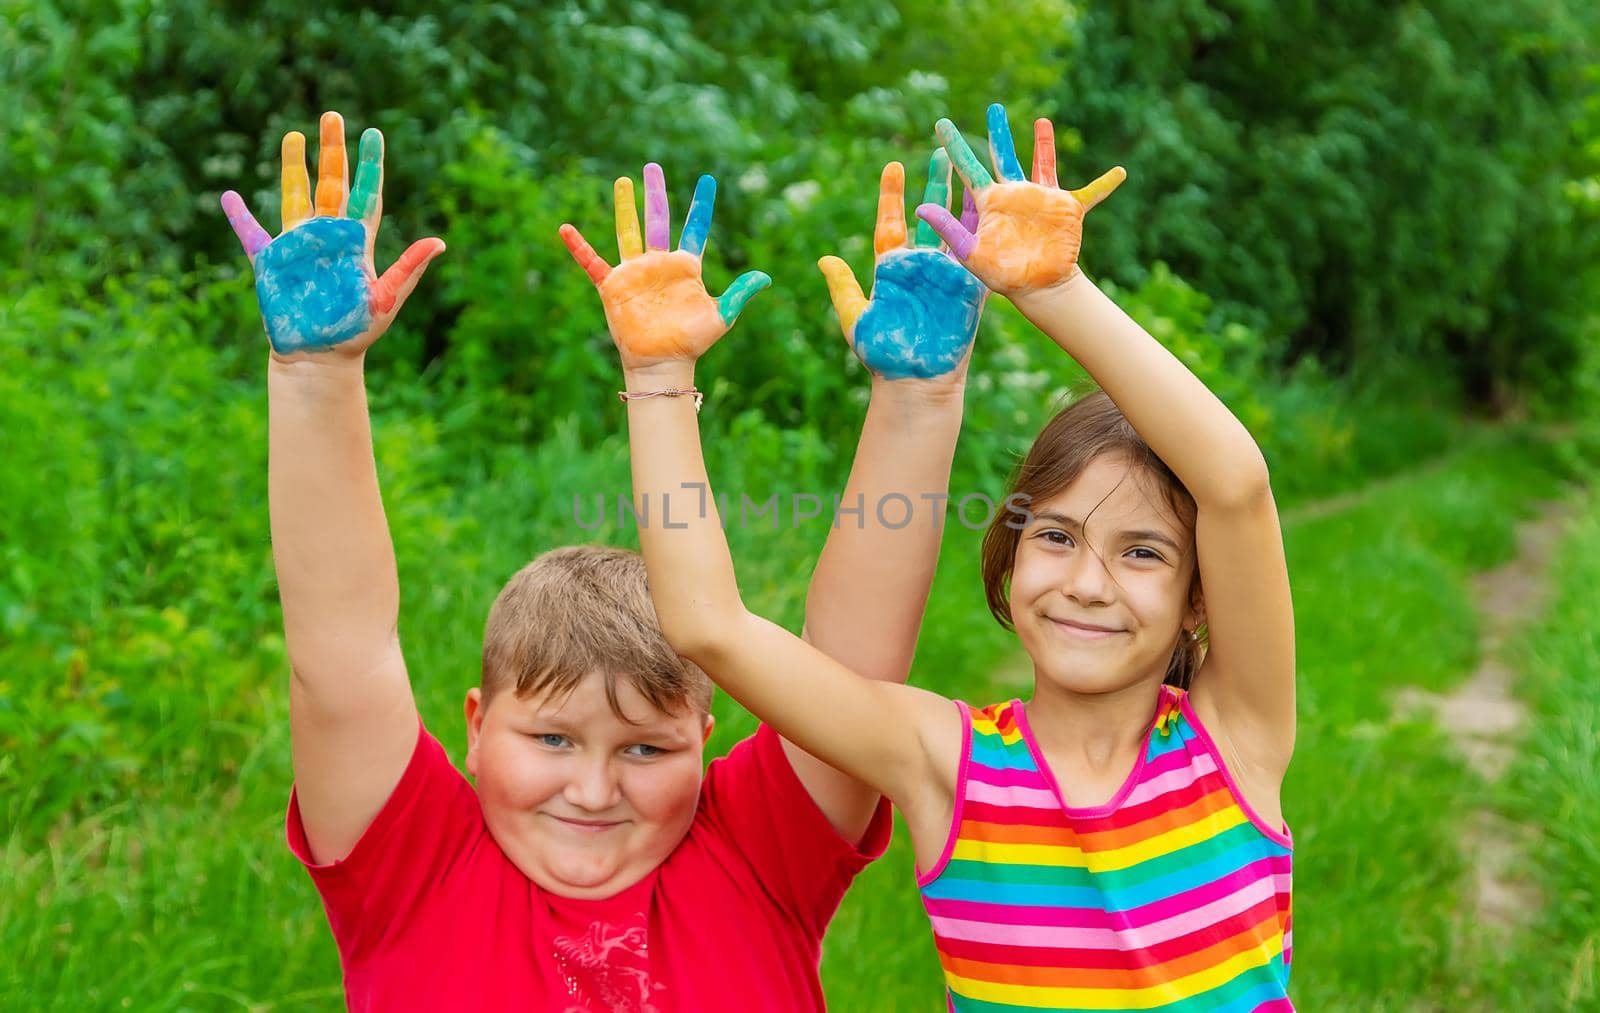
(662, 321)
(1026, 247)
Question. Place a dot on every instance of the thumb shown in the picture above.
(845, 291)
(744, 287)
(391, 290)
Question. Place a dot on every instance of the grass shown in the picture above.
(144, 760)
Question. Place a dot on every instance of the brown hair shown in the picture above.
(582, 609)
(1080, 432)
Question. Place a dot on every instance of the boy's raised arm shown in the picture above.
(662, 320)
(353, 720)
(865, 604)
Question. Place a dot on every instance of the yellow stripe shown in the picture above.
(1101, 861)
(1044, 997)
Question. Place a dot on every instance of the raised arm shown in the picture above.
(1026, 247)
(865, 604)
(353, 720)
(662, 320)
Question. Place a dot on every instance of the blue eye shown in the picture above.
(644, 750)
(549, 739)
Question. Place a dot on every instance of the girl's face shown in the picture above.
(1101, 580)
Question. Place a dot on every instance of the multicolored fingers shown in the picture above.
(1044, 153)
(849, 302)
(296, 202)
(657, 221)
(937, 191)
(1002, 149)
(698, 225)
(591, 262)
(332, 184)
(391, 290)
(251, 235)
(890, 231)
(969, 212)
(956, 234)
(628, 242)
(732, 302)
(366, 197)
(1101, 188)
(962, 157)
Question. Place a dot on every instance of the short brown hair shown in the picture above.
(1085, 429)
(583, 609)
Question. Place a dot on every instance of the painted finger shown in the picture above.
(332, 182)
(845, 291)
(954, 234)
(628, 244)
(657, 220)
(962, 157)
(391, 290)
(698, 225)
(366, 197)
(251, 235)
(744, 287)
(1044, 153)
(296, 203)
(1002, 149)
(937, 191)
(1101, 188)
(591, 262)
(890, 232)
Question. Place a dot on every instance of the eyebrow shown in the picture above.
(1139, 535)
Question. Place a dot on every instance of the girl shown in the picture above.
(1116, 842)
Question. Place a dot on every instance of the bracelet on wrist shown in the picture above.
(639, 395)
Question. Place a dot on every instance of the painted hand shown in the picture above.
(924, 308)
(1028, 234)
(315, 282)
(655, 301)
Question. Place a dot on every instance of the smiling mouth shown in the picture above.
(586, 826)
(1083, 631)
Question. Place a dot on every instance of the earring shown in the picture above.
(1194, 635)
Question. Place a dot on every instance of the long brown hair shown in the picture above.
(1082, 431)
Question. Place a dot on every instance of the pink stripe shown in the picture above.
(1082, 937)
(1275, 1006)
(657, 226)
(1256, 878)
(1171, 780)
(1016, 795)
(1006, 777)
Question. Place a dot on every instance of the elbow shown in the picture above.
(1243, 483)
(702, 633)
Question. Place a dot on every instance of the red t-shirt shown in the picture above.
(429, 913)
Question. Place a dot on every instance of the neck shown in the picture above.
(1098, 730)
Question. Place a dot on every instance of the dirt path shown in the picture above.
(1485, 719)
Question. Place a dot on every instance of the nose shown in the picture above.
(593, 785)
(1085, 579)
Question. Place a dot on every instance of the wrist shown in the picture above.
(673, 373)
(1037, 302)
(917, 394)
(316, 369)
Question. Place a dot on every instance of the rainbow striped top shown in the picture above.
(1173, 896)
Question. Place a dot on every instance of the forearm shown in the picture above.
(330, 540)
(690, 569)
(1209, 449)
(870, 588)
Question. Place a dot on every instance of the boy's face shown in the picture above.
(585, 803)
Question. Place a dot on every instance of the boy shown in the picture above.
(593, 868)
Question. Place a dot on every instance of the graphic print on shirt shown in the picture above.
(1170, 897)
(607, 969)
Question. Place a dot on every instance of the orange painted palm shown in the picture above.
(1029, 233)
(656, 303)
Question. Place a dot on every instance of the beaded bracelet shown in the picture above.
(634, 395)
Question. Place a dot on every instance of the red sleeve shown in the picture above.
(430, 821)
(754, 799)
